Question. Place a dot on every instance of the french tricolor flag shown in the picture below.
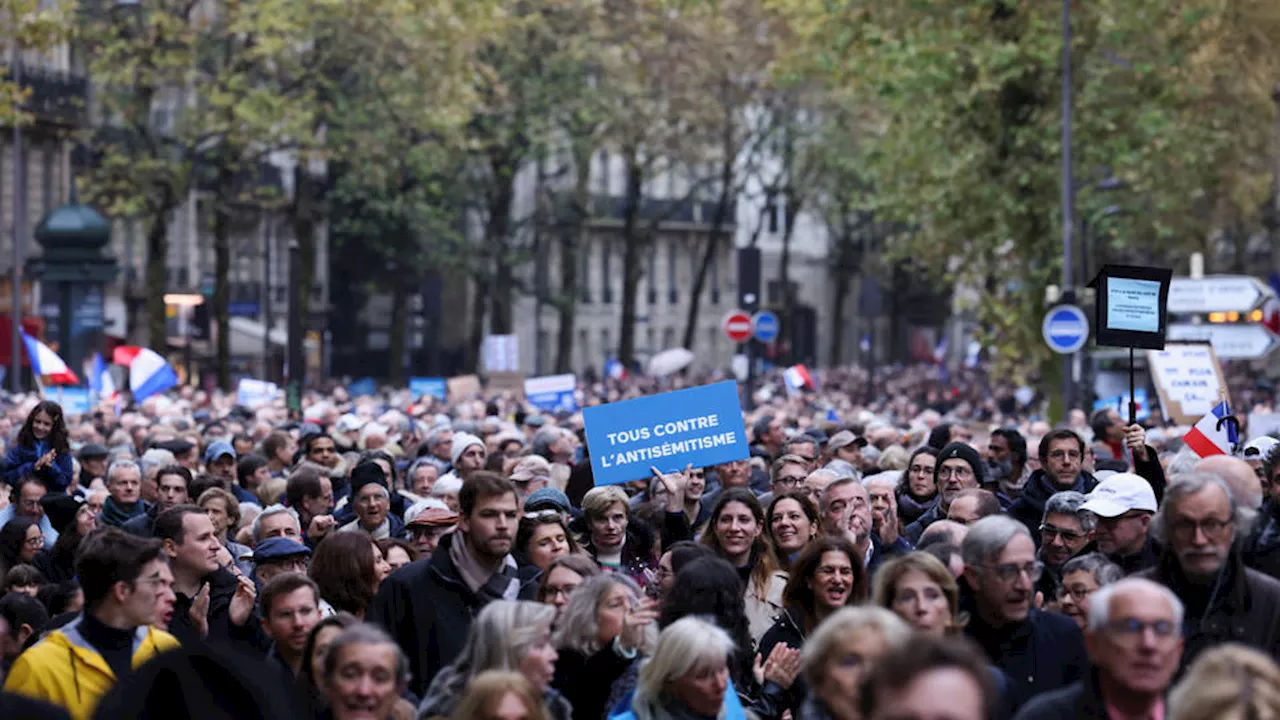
(100, 381)
(46, 364)
(1206, 439)
(797, 378)
(149, 374)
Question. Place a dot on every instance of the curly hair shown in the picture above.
(799, 591)
(57, 436)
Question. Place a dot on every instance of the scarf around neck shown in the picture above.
(500, 585)
(117, 514)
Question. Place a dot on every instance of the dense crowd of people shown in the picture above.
(928, 551)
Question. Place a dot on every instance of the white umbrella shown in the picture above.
(669, 361)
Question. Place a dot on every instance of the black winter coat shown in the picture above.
(428, 609)
(248, 638)
(586, 681)
(788, 629)
(1078, 701)
(1242, 607)
(1045, 652)
(143, 525)
(1262, 549)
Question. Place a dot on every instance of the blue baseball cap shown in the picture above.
(217, 450)
(279, 548)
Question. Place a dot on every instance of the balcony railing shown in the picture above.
(56, 97)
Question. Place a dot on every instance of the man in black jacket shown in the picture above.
(1225, 601)
(173, 488)
(427, 606)
(1134, 643)
(1039, 651)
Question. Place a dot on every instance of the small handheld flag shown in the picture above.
(45, 363)
(1211, 436)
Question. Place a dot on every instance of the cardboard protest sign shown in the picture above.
(1188, 379)
(698, 426)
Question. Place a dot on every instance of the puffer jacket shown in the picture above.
(65, 670)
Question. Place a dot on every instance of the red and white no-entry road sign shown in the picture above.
(737, 326)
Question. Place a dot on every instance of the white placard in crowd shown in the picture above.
(1189, 380)
(501, 353)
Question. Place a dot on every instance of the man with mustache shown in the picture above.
(428, 606)
(1039, 651)
(1199, 521)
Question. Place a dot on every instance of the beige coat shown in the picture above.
(763, 611)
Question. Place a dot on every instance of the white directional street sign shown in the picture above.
(1229, 341)
(1218, 293)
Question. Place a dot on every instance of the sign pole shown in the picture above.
(1133, 403)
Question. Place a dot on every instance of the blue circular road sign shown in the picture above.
(765, 326)
(1065, 329)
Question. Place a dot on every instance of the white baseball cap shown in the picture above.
(1260, 448)
(1119, 494)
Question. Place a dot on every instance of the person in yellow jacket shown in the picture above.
(125, 579)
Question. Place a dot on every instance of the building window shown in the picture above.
(606, 344)
(668, 338)
(650, 341)
(713, 343)
(584, 349)
(653, 272)
(604, 172)
(771, 212)
(584, 275)
(673, 295)
(606, 278)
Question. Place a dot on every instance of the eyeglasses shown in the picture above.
(1185, 529)
(1048, 531)
(1079, 594)
(1064, 454)
(1010, 572)
(1131, 630)
(35, 542)
(960, 473)
(789, 482)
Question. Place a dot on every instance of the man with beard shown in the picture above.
(1226, 602)
(1007, 462)
(1066, 532)
(428, 606)
(1039, 651)
(845, 509)
(959, 467)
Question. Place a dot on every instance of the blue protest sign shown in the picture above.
(698, 426)
(435, 387)
(1121, 403)
(74, 400)
(362, 387)
(552, 393)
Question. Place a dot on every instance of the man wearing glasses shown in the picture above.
(1134, 644)
(1124, 504)
(1066, 532)
(1061, 453)
(1039, 651)
(26, 497)
(1199, 521)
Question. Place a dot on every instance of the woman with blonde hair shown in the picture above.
(512, 635)
(500, 695)
(839, 654)
(687, 676)
(920, 590)
(1229, 682)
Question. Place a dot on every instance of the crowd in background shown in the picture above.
(922, 546)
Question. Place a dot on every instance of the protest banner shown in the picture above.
(1188, 379)
(698, 426)
(552, 393)
(74, 400)
(420, 387)
(364, 387)
(253, 393)
(511, 383)
(463, 387)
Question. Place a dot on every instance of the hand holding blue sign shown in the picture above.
(698, 427)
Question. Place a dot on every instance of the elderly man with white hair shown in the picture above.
(1135, 643)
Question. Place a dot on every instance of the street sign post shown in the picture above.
(1065, 329)
(765, 326)
(737, 326)
(1221, 293)
(1229, 341)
